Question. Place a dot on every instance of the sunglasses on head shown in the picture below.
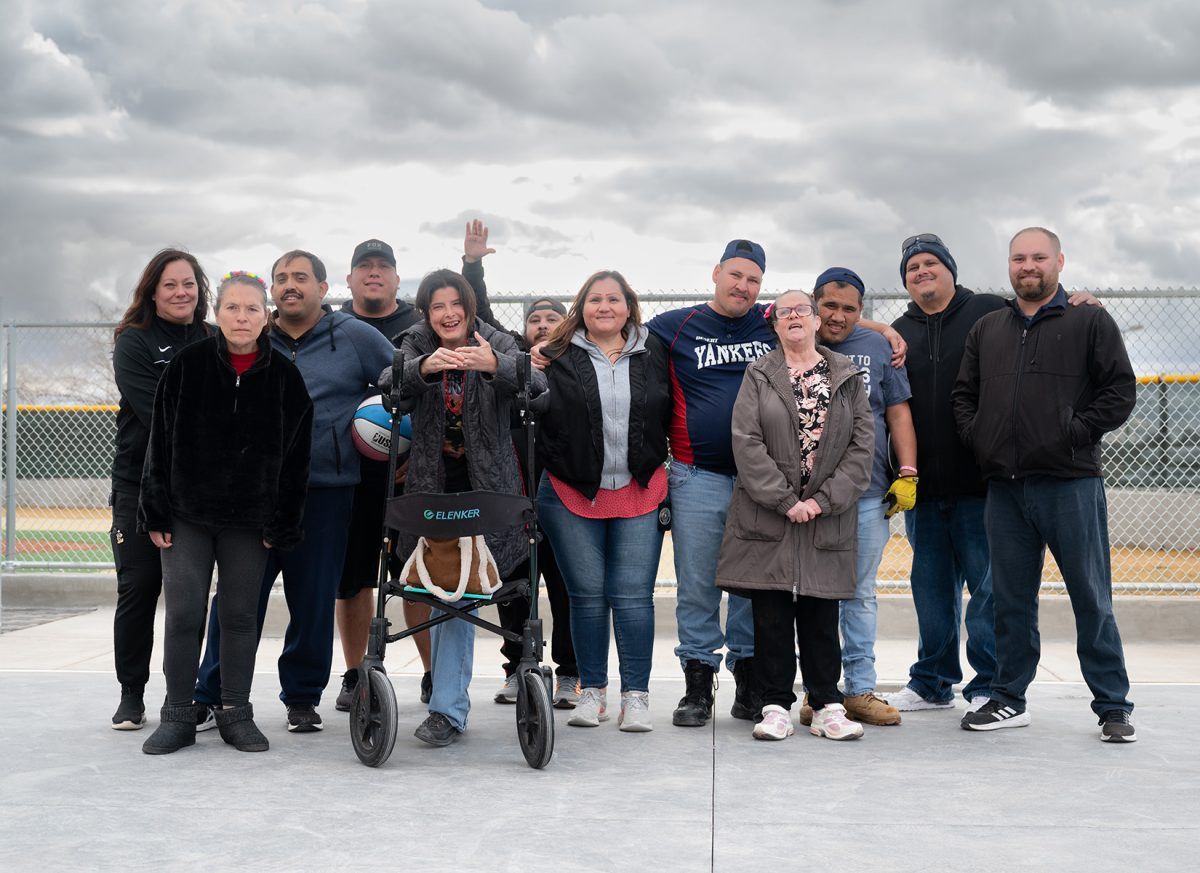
(921, 238)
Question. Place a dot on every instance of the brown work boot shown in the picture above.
(806, 712)
(870, 709)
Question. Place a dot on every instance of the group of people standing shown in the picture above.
(775, 442)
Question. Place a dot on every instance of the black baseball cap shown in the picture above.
(372, 248)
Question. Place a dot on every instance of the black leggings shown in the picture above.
(241, 558)
(514, 614)
(778, 622)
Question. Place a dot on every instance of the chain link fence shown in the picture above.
(60, 419)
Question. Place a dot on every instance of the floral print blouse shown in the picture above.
(811, 388)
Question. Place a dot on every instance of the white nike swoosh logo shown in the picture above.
(163, 348)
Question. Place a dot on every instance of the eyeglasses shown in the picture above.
(789, 311)
(921, 238)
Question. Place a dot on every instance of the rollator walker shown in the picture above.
(373, 714)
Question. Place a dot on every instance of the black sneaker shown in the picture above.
(436, 730)
(131, 712)
(346, 695)
(206, 718)
(426, 687)
(1115, 727)
(303, 718)
(994, 715)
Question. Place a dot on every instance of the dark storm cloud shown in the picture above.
(1079, 51)
(829, 130)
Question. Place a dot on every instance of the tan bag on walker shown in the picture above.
(464, 565)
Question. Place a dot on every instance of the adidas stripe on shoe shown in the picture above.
(994, 715)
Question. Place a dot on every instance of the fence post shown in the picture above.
(10, 452)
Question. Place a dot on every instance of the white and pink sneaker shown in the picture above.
(776, 724)
(830, 721)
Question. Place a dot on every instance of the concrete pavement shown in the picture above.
(926, 795)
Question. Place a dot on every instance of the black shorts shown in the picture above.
(361, 567)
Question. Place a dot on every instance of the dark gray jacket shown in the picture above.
(487, 410)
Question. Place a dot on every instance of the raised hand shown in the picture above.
(475, 242)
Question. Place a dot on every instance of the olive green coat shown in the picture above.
(763, 549)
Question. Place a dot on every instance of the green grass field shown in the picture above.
(62, 546)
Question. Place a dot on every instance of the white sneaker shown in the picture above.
(508, 691)
(830, 721)
(635, 712)
(591, 709)
(776, 724)
(976, 702)
(907, 700)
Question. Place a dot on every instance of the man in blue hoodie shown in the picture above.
(339, 357)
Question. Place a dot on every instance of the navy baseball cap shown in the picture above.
(743, 248)
(841, 274)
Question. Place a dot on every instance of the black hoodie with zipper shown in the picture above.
(936, 344)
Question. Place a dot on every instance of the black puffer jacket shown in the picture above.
(139, 357)
(1035, 401)
(226, 449)
(935, 350)
(570, 431)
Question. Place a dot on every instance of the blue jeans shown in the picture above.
(699, 502)
(610, 566)
(452, 645)
(949, 545)
(1024, 516)
(311, 573)
(857, 616)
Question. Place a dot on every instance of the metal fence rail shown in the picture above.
(60, 405)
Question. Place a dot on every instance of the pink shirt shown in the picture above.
(628, 502)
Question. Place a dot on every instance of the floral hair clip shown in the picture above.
(243, 274)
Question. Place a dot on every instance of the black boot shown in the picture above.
(237, 728)
(747, 696)
(695, 709)
(176, 729)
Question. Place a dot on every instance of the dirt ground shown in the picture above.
(1142, 566)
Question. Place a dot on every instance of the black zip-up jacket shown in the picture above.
(935, 349)
(571, 430)
(1034, 401)
(229, 450)
(139, 357)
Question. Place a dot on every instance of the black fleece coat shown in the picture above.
(571, 428)
(935, 351)
(228, 450)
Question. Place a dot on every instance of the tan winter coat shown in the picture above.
(761, 548)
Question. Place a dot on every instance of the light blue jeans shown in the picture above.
(857, 616)
(609, 565)
(453, 650)
(699, 503)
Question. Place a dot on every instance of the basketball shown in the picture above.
(372, 431)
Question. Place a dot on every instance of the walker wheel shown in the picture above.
(535, 719)
(374, 719)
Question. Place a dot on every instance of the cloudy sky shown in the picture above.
(633, 135)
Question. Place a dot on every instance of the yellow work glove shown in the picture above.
(901, 496)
